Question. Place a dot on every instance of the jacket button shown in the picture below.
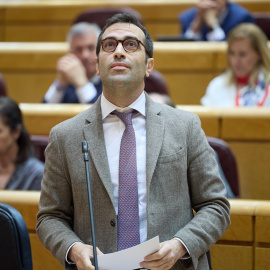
(112, 222)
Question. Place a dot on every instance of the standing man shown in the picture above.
(76, 80)
(145, 156)
(212, 19)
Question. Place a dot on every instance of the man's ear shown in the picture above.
(97, 69)
(149, 66)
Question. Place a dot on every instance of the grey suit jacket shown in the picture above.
(181, 175)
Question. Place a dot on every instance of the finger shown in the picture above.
(162, 252)
(164, 263)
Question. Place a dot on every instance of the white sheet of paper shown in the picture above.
(128, 259)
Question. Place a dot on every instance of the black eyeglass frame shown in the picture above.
(122, 41)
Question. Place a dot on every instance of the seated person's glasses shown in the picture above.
(129, 44)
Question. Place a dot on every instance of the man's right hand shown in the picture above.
(70, 70)
(203, 6)
(80, 254)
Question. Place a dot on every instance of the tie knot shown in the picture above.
(125, 117)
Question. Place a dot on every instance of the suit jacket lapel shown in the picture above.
(93, 132)
(154, 137)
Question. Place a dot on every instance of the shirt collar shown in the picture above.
(107, 107)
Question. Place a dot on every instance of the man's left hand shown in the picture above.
(169, 252)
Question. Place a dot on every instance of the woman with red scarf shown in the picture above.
(247, 79)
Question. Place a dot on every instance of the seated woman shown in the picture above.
(19, 169)
(247, 79)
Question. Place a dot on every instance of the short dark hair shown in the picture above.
(127, 18)
(12, 117)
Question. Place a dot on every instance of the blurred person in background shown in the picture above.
(76, 80)
(211, 20)
(19, 169)
(247, 79)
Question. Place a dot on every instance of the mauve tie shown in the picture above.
(128, 230)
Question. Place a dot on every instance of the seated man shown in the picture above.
(77, 81)
(211, 20)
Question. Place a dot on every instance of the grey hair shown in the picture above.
(82, 28)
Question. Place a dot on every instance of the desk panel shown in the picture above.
(253, 168)
(28, 87)
(42, 258)
(243, 231)
(262, 258)
(246, 124)
(36, 32)
(262, 229)
(229, 257)
(187, 87)
(40, 118)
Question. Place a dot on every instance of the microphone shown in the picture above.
(86, 159)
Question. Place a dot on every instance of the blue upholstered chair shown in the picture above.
(15, 248)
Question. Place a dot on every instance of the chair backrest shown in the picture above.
(156, 83)
(3, 89)
(40, 143)
(227, 162)
(101, 14)
(15, 248)
(262, 19)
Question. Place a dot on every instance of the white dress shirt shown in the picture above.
(113, 130)
(85, 93)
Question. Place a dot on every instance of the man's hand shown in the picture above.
(211, 18)
(70, 70)
(80, 254)
(169, 252)
(203, 6)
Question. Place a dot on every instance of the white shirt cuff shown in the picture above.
(192, 35)
(67, 260)
(86, 92)
(187, 255)
(54, 95)
(216, 35)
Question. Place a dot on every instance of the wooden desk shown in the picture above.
(244, 246)
(40, 118)
(49, 20)
(246, 130)
(29, 68)
(248, 133)
(188, 67)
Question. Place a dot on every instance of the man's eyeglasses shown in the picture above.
(129, 44)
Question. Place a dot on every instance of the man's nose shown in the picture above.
(86, 54)
(119, 51)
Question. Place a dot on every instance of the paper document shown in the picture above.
(128, 259)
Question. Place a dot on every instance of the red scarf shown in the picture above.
(243, 80)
